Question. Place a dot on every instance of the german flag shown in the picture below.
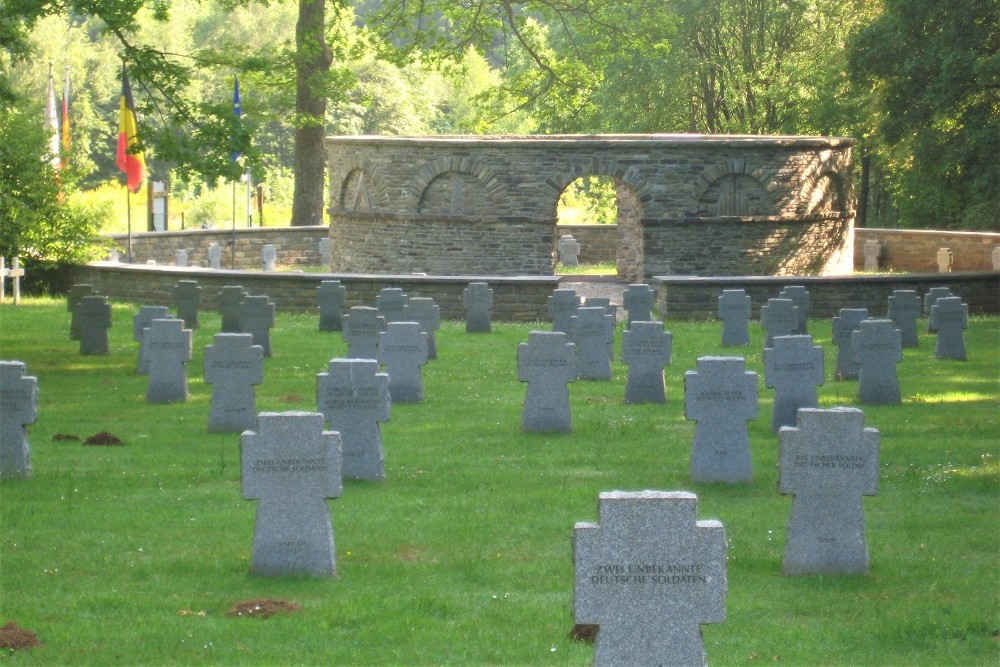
(129, 158)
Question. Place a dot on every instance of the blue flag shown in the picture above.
(237, 107)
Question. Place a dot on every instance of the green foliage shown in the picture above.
(588, 201)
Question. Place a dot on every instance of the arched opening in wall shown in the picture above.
(605, 214)
(355, 193)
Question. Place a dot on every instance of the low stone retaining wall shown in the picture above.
(686, 297)
(915, 250)
(515, 299)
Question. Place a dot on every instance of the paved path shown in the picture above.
(609, 288)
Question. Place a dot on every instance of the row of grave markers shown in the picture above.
(648, 551)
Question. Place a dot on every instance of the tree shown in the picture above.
(934, 72)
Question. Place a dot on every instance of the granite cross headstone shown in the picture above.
(878, 347)
(844, 325)
(995, 257)
(230, 299)
(800, 297)
(569, 250)
(646, 349)
(952, 318)
(778, 317)
(390, 302)
(563, 304)
(256, 319)
(215, 256)
(269, 256)
(354, 397)
(167, 349)
(291, 465)
(593, 332)
(638, 302)
(93, 315)
(427, 314)
(140, 322)
(15, 273)
(547, 362)
(721, 396)
(793, 368)
(324, 252)
(187, 296)
(362, 325)
(18, 408)
(402, 349)
(181, 257)
(872, 250)
(734, 311)
(828, 462)
(76, 292)
(944, 260)
(930, 298)
(904, 309)
(649, 575)
(330, 296)
(4, 274)
(478, 301)
(233, 365)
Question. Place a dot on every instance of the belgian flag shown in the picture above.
(129, 158)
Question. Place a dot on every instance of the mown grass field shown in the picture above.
(132, 555)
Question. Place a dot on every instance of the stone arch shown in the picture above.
(628, 175)
(455, 186)
(823, 187)
(733, 188)
(361, 189)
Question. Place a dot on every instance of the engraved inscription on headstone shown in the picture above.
(593, 331)
(18, 408)
(362, 325)
(793, 368)
(291, 465)
(828, 462)
(649, 574)
(330, 296)
(402, 349)
(354, 397)
(638, 302)
(904, 309)
(547, 362)
(233, 365)
(478, 301)
(878, 347)
(563, 304)
(140, 322)
(734, 311)
(952, 317)
(844, 325)
(721, 396)
(646, 349)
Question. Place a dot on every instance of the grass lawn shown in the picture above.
(132, 555)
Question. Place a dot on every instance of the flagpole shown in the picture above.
(128, 217)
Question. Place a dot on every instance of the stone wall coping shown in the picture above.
(749, 219)
(375, 217)
(602, 140)
(189, 273)
(875, 231)
(749, 281)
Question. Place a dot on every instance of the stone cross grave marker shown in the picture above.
(563, 304)
(547, 362)
(4, 274)
(15, 273)
(952, 320)
(233, 365)
(324, 252)
(390, 302)
(402, 349)
(878, 347)
(930, 298)
(793, 368)
(605, 303)
(269, 256)
(140, 322)
(291, 465)
(995, 257)
(77, 292)
(427, 314)
(944, 260)
(362, 326)
(330, 295)
(181, 257)
(800, 296)
(649, 575)
(827, 462)
(844, 325)
(638, 302)
(721, 396)
(872, 250)
(354, 397)
(569, 250)
(18, 408)
(593, 332)
(646, 349)
(478, 301)
(187, 297)
(734, 311)
(904, 309)
(215, 256)
(230, 299)
(167, 349)
(778, 317)
(256, 319)
(93, 314)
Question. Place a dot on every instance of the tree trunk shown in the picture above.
(313, 59)
(861, 219)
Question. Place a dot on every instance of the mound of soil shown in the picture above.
(263, 608)
(584, 633)
(59, 437)
(104, 439)
(17, 639)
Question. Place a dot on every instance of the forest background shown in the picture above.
(917, 82)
